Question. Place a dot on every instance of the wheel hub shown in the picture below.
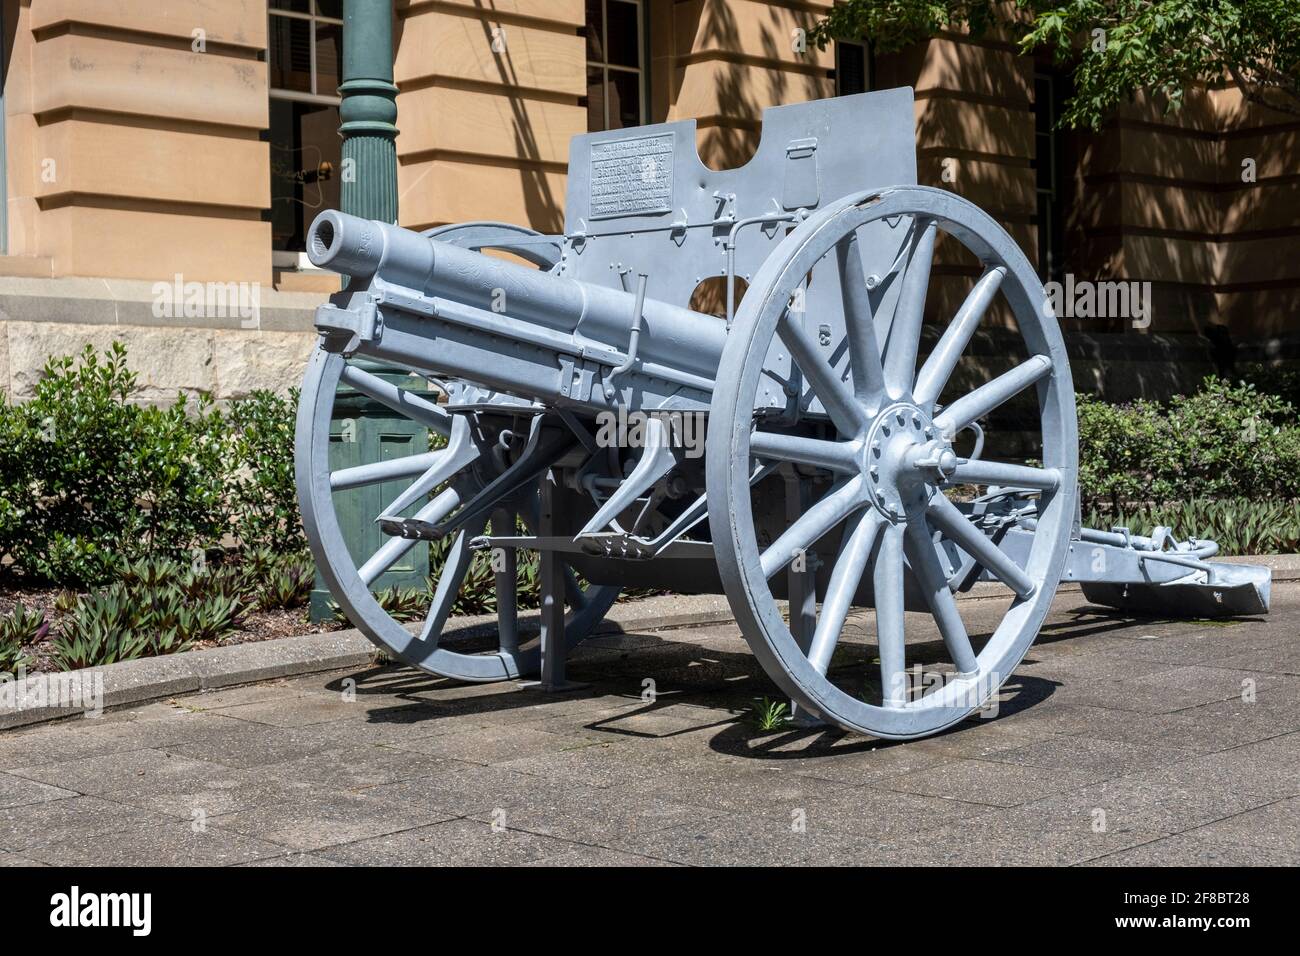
(901, 441)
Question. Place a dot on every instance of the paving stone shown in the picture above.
(15, 791)
(1107, 757)
(987, 782)
(87, 737)
(1275, 827)
(758, 791)
(586, 856)
(1014, 836)
(1128, 806)
(1258, 769)
(454, 843)
(125, 771)
(736, 840)
(294, 860)
(1187, 851)
(354, 768)
(1095, 665)
(208, 792)
(589, 816)
(475, 790)
(487, 745)
(171, 844)
(1170, 690)
(325, 819)
(76, 817)
(297, 711)
(601, 764)
(14, 860)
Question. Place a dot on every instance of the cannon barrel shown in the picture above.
(593, 314)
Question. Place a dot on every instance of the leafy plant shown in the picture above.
(289, 582)
(18, 628)
(1117, 47)
(1238, 525)
(770, 715)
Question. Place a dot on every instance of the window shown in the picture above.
(616, 88)
(852, 68)
(1047, 173)
(305, 52)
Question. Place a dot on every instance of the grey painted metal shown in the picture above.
(898, 433)
(830, 465)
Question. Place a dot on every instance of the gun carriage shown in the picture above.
(843, 466)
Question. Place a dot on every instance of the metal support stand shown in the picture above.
(802, 577)
(507, 577)
(554, 651)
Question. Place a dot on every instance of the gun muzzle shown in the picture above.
(358, 247)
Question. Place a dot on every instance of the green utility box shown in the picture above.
(362, 431)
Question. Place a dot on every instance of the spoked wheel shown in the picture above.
(440, 482)
(883, 450)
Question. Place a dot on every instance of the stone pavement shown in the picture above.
(1117, 742)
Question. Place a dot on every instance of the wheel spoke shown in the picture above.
(400, 400)
(976, 472)
(887, 590)
(905, 330)
(840, 457)
(394, 548)
(992, 394)
(949, 519)
(938, 368)
(848, 416)
(459, 558)
(458, 455)
(809, 528)
(844, 581)
(859, 323)
(934, 585)
(376, 471)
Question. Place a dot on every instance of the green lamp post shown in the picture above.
(368, 111)
(363, 430)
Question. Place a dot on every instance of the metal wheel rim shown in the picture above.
(729, 468)
(325, 537)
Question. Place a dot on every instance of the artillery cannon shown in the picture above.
(842, 466)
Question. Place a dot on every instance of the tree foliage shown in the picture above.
(1116, 47)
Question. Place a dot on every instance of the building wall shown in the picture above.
(490, 96)
(133, 156)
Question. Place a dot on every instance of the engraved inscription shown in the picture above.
(632, 176)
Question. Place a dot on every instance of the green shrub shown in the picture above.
(263, 497)
(89, 479)
(1224, 440)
